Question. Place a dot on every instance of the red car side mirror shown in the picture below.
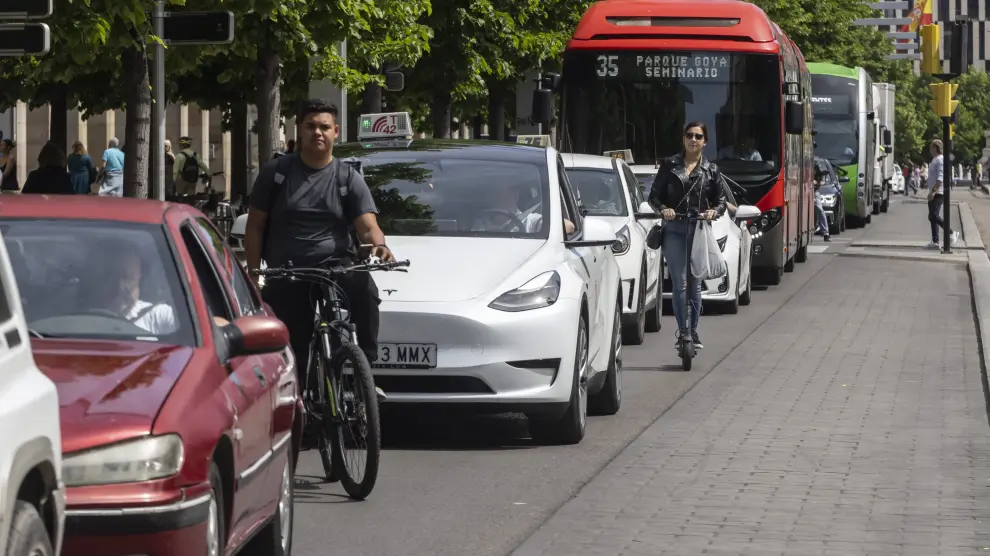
(256, 335)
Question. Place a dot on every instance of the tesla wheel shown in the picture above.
(569, 428)
(359, 436)
(216, 528)
(609, 399)
(276, 538)
(746, 296)
(28, 535)
(634, 334)
(653, 322)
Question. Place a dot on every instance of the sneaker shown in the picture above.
(933, 245)
(828, 238)
(696, 340)
(954, 238)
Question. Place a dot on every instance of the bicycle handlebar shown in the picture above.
(299, 272)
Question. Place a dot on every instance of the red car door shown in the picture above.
(247, 392)
(278, 371)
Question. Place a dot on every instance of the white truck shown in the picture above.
(32, 495)
(884, 95)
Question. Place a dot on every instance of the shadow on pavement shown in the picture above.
(417, 429)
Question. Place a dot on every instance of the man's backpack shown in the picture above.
(190, 169)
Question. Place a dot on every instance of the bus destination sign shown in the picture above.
(830, 104)
(682, 66)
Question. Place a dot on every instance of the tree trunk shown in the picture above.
(239, 151)
(269, 103)
(137, 129)
(496, 111)
(58, 131)
(477, 127)
(440, 113)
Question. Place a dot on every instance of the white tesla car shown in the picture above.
(512, 301)
(735, 288)
(609, 190)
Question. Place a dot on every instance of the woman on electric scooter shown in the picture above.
(686, 183)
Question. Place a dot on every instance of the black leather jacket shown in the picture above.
(672, 182)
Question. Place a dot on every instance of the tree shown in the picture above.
(972, 116)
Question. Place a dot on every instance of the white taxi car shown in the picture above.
(512, 303)
(32, 495)
(609, 190)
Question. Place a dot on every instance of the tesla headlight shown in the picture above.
(622, 241)
(145, 459)
(541, 291)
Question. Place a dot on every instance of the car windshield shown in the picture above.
(98, 280)
(834, 105)
(600, 190)
(641, 100)
(451, 193)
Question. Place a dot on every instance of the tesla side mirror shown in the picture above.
(747, 212)
(596, 233)
(645, 212)
(843, 179)
(542, 106)
(888, 139)
(255, 335)
(239, 227)
(794, 117)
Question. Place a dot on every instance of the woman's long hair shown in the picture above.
(78, 148)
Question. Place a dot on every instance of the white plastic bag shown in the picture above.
(707, 262)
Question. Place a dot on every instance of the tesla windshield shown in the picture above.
(641, 101)
(457, 192)
(98, 280)
(600, 191)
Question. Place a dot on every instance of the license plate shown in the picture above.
(406, 356)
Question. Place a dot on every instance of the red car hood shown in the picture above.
(108, 391)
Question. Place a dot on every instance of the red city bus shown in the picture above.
(636, 71)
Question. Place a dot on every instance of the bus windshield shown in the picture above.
(616, 100)
(834, 102)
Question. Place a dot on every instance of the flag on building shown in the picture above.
(920, 15)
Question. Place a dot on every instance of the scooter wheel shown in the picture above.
(686, 362)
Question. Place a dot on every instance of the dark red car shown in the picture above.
(179, 403)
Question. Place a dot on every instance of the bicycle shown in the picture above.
(342, 417)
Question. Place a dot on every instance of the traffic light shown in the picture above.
(959, 48)
(944, 103)
(952, 125)
(931, 54)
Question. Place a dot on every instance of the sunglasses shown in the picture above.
(695, 136)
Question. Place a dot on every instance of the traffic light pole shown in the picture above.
(946, 183)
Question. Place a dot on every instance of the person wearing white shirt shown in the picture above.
(936, 196)
(504, 206)
(119, 292)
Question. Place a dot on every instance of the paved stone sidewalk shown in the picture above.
(843, 425)
(906, 221)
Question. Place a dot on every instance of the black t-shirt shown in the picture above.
(309, 221)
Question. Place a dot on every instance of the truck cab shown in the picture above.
(32, 495)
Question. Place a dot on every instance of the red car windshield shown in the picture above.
(98, 280)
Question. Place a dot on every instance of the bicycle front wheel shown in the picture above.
(357, 439)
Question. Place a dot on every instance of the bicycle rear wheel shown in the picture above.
(358, 434)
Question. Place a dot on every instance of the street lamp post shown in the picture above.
(157, 148)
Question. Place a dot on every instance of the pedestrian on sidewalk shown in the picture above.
(188, 167)
(915, 180)
(112, 184)
(820, 216)
(936, 190)
(51, 177)
(8, 170)
(978, 174)
(81, 169)
(924, 175)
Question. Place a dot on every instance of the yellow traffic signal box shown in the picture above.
(931, 54)
(943, 103)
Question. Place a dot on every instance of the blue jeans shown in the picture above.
(675, 252)
(822, 219)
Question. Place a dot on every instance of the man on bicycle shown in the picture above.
(303, 207)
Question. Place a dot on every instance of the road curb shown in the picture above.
(908, 256)
(979, 283)
(970, 233)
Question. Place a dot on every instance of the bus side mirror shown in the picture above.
(542, 106)
(794, 117)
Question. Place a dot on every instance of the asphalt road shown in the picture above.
(478, 485)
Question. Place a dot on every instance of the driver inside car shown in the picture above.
(502, 214)
(114, 289)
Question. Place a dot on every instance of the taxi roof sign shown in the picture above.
(624, 154)
(390, 125)
(535, 140)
